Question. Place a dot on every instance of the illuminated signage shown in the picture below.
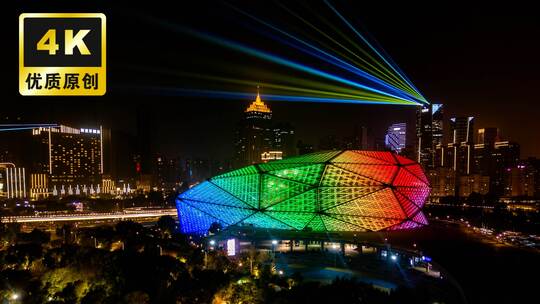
(231, 247)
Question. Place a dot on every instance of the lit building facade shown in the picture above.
(271, 155)
(520, 181)
(473, 183)
(429, 132)
(443, 182)
(494, 159)
(284, 139)
(12, 181)
(39, 185)
(255, 133)
(462, 131)
(324, 191)
(68, 155)
(396, 137)
(488, 136)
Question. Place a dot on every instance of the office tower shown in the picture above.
(329, 142)
(396, 137)
(424, 124)
(505, 155)
(473, 183)
(533, 172)
(442, 181)
(462, 130)
(494, 160)
(283, 139)
(359, 140)
(437, 124)
(429, 132)
(168, 172)
(145, 144)
(520, 181)
(254, 135)
(304, 148)
(68, 155)
(484, 150)
(488, 136)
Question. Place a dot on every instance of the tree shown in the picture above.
(38, 236)
(137, 297)
(215, 227)
(243, 291)
(167, 225)
(475, 198)
(8, 232)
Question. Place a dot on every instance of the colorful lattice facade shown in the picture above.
(324, 191)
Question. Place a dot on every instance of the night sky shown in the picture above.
(478, 61)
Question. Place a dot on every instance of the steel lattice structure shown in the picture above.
(324, 191)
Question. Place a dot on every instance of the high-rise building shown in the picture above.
(283, 139)
(442, 181)
(329, 142)
(506, 155)
(494, 159)
(429, 132)
(473, 183)
(533, 171)
(462, 130)
(68, 155)
(144, 165)
(437, 123)
(254, 134)
(304, 148)
(488, 136)
(360, 139)
(396, 137)
(168, 172)
(521, 180)
(424, 125)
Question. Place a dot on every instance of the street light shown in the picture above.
(212, 242)
(14, 296)
(274, 243)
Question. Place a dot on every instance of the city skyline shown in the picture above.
(307, 151)
(434, 58)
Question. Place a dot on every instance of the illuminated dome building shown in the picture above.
(323, 191)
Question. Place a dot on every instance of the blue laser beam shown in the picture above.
(329, 58)
(272, 97)
(397, 70)
(285, 62)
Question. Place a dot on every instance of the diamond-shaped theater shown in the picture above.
(323, 191)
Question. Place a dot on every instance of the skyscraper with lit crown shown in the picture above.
(254, 133)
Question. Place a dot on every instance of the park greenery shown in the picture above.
(129, 263)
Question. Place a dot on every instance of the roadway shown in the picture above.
(88, 216)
